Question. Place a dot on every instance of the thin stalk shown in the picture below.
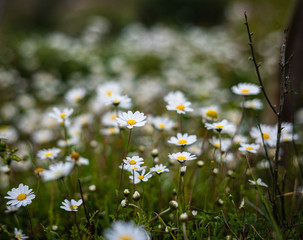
(183, 194)
(30, 221)
(184, 231)
(160, 192)
(220, 148)
(134, 185)
(179, 178)
(157, 216)
(77, 225)
(121, 174)
(86, 215)
(180, 123)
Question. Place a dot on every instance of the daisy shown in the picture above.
(109, 119)
(71, 206)
(225, 143)
(210, 113)
(11, 209)
(123, 101)
(222, 126)
(238, 139)
(140, 177)
(61, 115)
(246, 89)
(21, 196)
(183, 139)
(75, 95)
(181, 106)
(258, 182)
(131, 119)
(19, 234)
(162, 123)
(195, 148)
(133, 163)
(174, 97)
(77, 159)
(57, 171)
(252, 148)
(159, 169)
(110, 131)
(181, 157)
(108, 89)
(269, 135)
(84, 120)
(125, 231)
(255, 104)
(288, 137)
(50, 153)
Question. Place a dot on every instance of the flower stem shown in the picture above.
(160, 192)
(30, 221)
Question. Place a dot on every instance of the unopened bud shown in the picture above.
(156, 160)
(126, 192)
(168, 229)
(136, 196)
(220, 202)
(215, 171)
(194, 213)
(141, 148)
(92, 188)
(183, 217)
(173, 204)
(183, 170)
(200, 163)
(54, 227)
(124, 203)
(230, 173)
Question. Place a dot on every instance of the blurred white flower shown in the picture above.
(258, 182)
(61, 115)
(183, 139)
(71, 206)
(246, 89)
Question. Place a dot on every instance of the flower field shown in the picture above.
(155, 133)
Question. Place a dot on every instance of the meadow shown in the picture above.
(156, 133)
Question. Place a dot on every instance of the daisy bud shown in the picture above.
(229, 237)
(124, 203)
(92, 188)
(200, 163)
(230, 196)
(54, 227)
(217, 218)
(194, 213)
(141, 148)
(155, 153)
(174, 192)
(173, 204)
(215, 171)
(230, 173)
(136, 196)
(39, 171)
(220, 202)
(159, 226)
(126, 192)
(183, 217)
(168, 229)
(156, 160)
(183, 170)
(93, 143)
(75, 156)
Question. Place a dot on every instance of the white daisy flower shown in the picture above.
(252, 148)
(131, 119)
(258, 182)
(133, 163)
(183, 139)
(225, 143)
(269, 134)
(109, 119)
(75, 95)
(238, 139)
(255, 104)
(123, 101)
(181, 157)
(19, 234)
(21, 196)
(210, 113)
(162, 123)
(11, 209)
(125, 231)
(71, 206)
(288, 137)
(57, 171)
(84, 120)
(50, 153)
(226, 158)
(108, 89)
(159, 168)
(77, 159)
(242, 205)
(194, 213)
(61, 115)
(195, 149)
(181, 107)
(140, 177)
(287, 127)
(174, 97)
(223, 126)
(246, 89)
(110, 131)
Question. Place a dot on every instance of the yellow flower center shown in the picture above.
(116, 101)
(180, 107)
(159, 170)
(113, 117)
(78, 98)
(58, 173)
(49, 154)
(141, 177)
(73, 207)
(112, 130)
(161, 126)
(21, 196)
(182, 141)
(132, 162)
(109, 93)
(249, 148)
(217, 144)
(75, 156)
(62, 115)
(266, 136)
(39, 170)
(124, 237)
(181, 158)
(286, 139)
(219, 126)
(212, 113)
(18, 236)
(131, 122)
(245, 91)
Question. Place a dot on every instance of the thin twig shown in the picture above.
(228, 225)
(256, 232)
